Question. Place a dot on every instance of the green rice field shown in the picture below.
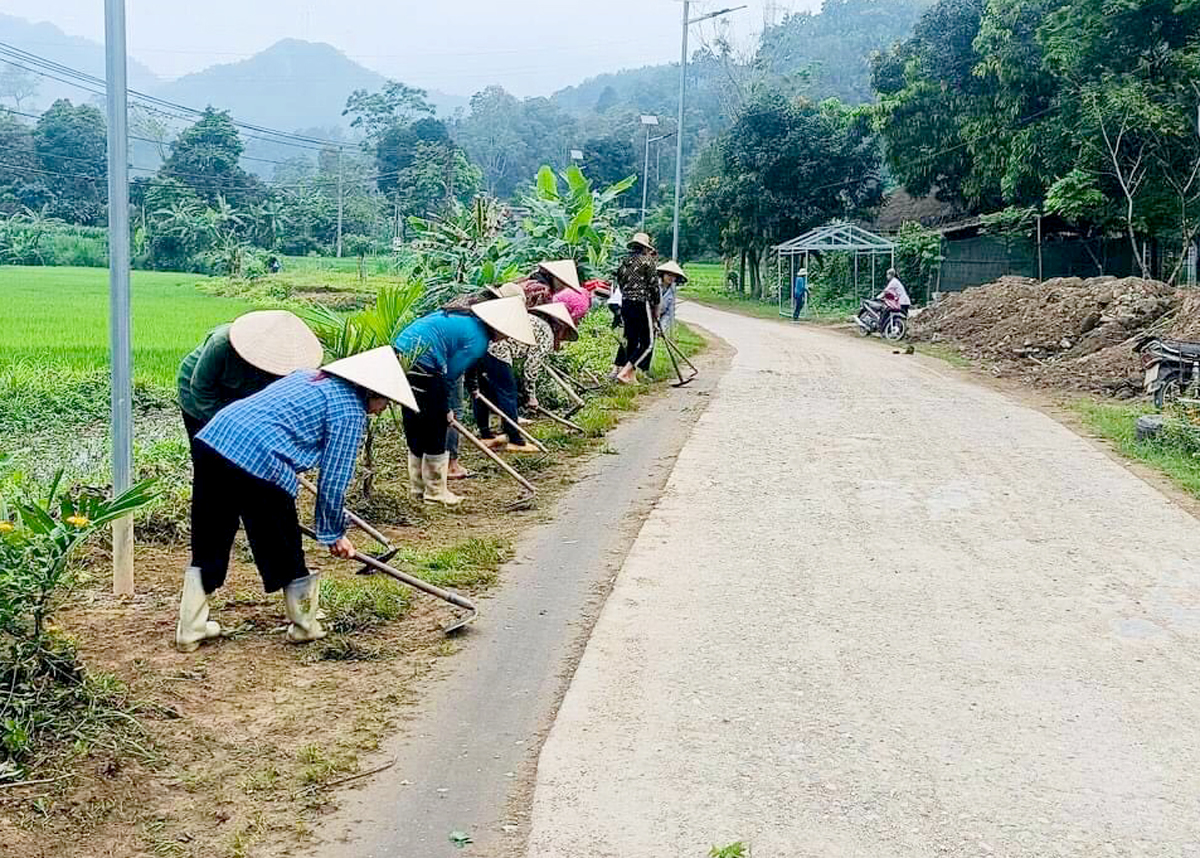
(58, 317)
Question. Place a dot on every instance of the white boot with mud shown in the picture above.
(300, 598)
(194, 626)
(416, 479)
(434, 470)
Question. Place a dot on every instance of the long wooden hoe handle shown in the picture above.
(524, 433)
(404, 578)
(561, 421)
(567, 389)
(491, 454)
(357, 521)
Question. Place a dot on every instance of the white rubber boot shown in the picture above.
(300, 598)
(433, 470)
(194, 626)
(416, 480)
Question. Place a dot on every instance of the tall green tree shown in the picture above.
(785, 167)
(206, 157)
(71, 144)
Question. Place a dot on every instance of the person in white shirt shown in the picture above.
(896, 290)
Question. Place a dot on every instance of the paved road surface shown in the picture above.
(883, 611)
(466, 756)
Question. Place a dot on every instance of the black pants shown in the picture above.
(224, 495)
(499, 385)
(425, 431)
(639, 333)
(798, 303)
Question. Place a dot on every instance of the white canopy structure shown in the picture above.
(832, 238)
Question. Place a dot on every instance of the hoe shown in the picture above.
(389, 549)
(417, 583)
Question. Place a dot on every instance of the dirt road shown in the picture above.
(883, 611)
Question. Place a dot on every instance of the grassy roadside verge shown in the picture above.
(245, 741)
(1175, 453)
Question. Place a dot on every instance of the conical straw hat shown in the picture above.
(642, 239)
(563, 270)
(508, 316)
(275, 341)
(508, 290)
(672, 267)
(556, 312)
(379, 372)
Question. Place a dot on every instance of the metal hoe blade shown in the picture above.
(416, 583)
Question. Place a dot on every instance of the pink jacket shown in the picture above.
(577, 304)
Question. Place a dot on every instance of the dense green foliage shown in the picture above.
(785, 166)
(1083, 107)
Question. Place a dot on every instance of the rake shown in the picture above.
(417, 584)
(389, 549)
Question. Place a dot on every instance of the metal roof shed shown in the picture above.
(832, 238)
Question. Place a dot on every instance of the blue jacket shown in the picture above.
(800, 287)
(445, 345)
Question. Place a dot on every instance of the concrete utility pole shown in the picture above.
(118, 277)
(341, 203)
(683, 61)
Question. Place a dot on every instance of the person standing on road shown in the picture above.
(799, 294)
(240, 359)
(247, 461)
(637, 279)
(443, 346)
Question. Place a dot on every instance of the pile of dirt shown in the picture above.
(1063, 332)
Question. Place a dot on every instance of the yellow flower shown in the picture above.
(6, 527)
(79, 521)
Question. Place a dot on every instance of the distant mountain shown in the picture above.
(291, 85)
(47, 40)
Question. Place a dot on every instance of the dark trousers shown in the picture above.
(425, 431)
(456, 405)
(639, 333)
(798, 303)
(223, 495)
(499, 385)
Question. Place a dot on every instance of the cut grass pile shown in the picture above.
(1174, 453)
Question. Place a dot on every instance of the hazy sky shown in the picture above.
(531, 47)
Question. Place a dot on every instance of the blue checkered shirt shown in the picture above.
(298, 423)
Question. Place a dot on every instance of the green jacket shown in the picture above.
(214, 375)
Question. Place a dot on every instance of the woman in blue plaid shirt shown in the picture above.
(247, 459)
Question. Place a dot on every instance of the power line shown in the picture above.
(96, 86)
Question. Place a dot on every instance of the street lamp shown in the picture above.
(683, 60)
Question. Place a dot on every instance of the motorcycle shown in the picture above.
(887, 317)
(1170, 366)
